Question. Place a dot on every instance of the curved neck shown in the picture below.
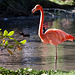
(41, 22)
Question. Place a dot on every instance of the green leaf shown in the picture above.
(6, 43)
(11, 38)
(5, 33)
(0, 33)
(11, 46)
(17, 43)
(1, 68)
(10, 33)
(23, 42)
(1, 44)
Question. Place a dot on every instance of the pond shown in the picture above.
(36, 54)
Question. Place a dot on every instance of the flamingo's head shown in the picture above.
(36, 8)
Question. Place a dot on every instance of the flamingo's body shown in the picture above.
(51, 36)
(55, 36)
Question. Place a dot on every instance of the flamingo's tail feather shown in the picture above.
(70, 37)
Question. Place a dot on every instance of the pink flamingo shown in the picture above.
(51, 36)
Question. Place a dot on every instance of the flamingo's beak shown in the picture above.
(33, 10)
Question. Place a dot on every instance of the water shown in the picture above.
(36, 54)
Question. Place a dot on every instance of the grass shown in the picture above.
(29, 71)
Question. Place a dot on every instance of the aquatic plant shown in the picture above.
(5, 43)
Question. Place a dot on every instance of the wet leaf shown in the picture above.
(10, 33)
(6, 43)
(23, 42)
(9, 51)
(5, 33)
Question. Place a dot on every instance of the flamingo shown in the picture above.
(51, 36)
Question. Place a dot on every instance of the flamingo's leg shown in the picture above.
(56, 58)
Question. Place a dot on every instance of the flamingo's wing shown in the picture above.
(57, 36)
(67, 36)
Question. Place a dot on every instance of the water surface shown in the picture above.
(36, 54)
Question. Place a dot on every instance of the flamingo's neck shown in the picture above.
(41, 22)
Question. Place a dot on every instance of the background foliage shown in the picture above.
(23, 7)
